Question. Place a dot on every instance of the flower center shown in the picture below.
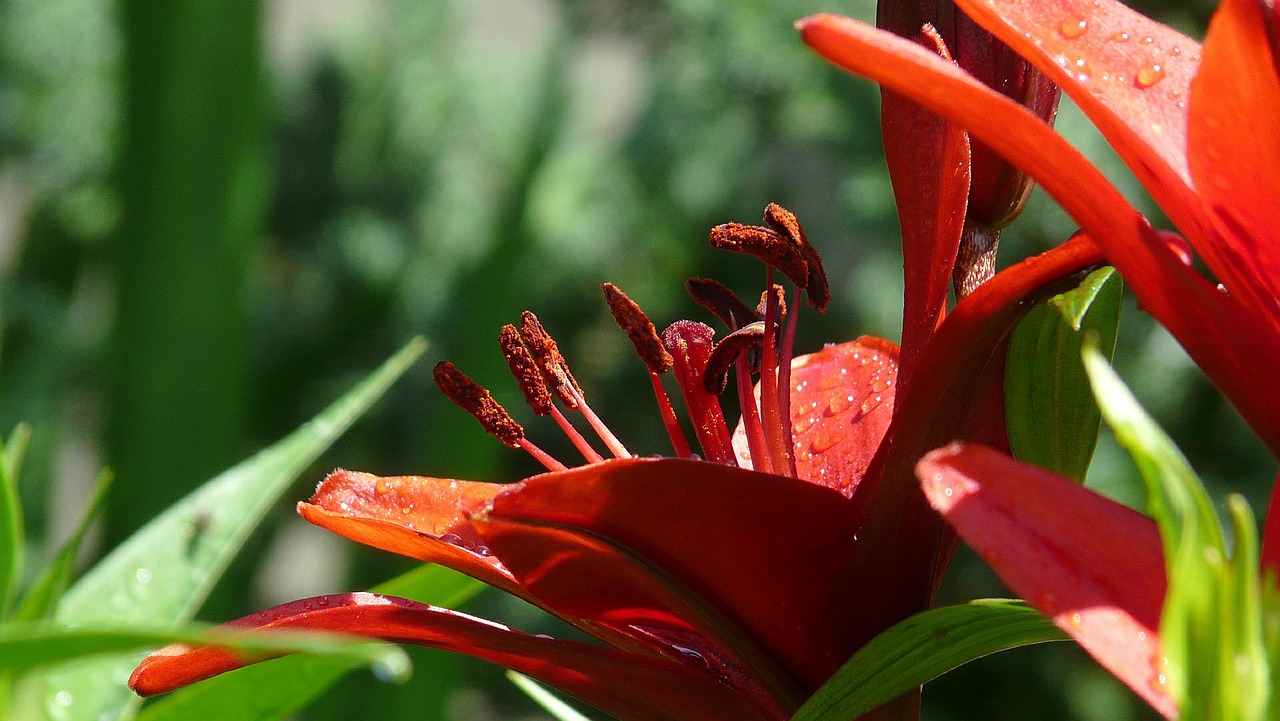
(761, 341)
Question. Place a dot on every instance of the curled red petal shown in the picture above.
(1209, 324)
(841, 404)
(760, 550)
(1094, 566)
(415, 516)
(622, 684)
(1234, 152)
(1131, 75)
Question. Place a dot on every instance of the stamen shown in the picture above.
(525, 370)
(649, 347)
(724, 303)
(611, 441)
(639, 329)
(751, 418)
(554, 369)
(472, 398)
(690, 345)
(727, 352)
(785, 222)
(589, 454)
(785, 354)
(769, 246)
(769, 410)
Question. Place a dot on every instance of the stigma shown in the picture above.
(756, 347)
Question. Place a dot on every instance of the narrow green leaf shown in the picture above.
(1243, 663)
(1050, 415)
(165, 570)
(12, 536)
(27, 646)
(922, 648)
(277, 689)
(543, 696)
(41, 599)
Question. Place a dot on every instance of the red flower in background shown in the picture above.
(725, 588)
(1199, 127)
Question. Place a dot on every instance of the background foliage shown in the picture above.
(215, 216)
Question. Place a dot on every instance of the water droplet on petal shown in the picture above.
(948, 491)
(381, 487)
(1121, 37)
(322, 602)
(839, 403)
(1149, 75)
(452, 539)
(824, 440)
(802, 424)
(1073, 28)
(1076, 620)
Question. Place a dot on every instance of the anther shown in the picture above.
(472, 398)
(769, 246)
(726, 353)
(784, 222)
(525, 370)
(639, 329)
(554, 369)
(724, 303)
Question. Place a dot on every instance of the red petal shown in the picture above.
(759, 550)
(618, 683)
(1235, 153)
(1093, 565)
(1207, 323)
(928, 159)
(1129, 74)
(414, 516)
(937, 407)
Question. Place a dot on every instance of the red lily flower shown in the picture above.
(725, 588)
(1184, 118)
(1198, 127)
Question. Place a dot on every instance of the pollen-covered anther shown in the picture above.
(724, 303)
(727, 352)
(474, 399)
(525, 370)
(639, 329)
(552, 365)
(768, 245)
(780, 294)
(815, 286)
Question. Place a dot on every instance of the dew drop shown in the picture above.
(62, 698)
(1120, 37)
(1149, 75)
(879, 384)
(801, 425)
(381, 487)
(948, 491)
(1073, 28)
(1142, 635)
(823, 441)
(142, 575)
(452, 539)
(1175, 50)
(322, 602)
(839, 403)
(870, 404)
(482, 551)
(1076, 620)
(1148, 40)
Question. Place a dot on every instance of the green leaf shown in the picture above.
(922, 648)
(42, 597)
(1050, 415)
(542, 696)
(1211, 625)
(12, 536)
(27, 646)
(164, 571)
(277, 689)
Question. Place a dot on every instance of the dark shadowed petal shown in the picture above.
(1128, 73)
(951, 391)
(621, 684)
(759, 551)
(1093, 565)
(1234, 153)
(1208, 323)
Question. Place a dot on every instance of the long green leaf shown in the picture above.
(276, 689)
(11, 533)
(1050, 414)
(41, 599)
(27, 646)
(165, 570)
(1210, 627)
(544, 697)
(922, 648)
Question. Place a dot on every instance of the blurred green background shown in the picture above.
(216, 216)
